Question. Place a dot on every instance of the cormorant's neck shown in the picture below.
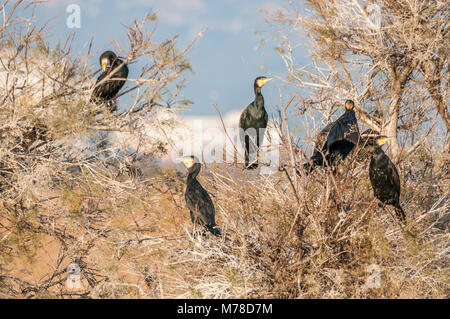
(257, 91)
(377, 152)
(350, 111)
(193, 172)
(259, 100)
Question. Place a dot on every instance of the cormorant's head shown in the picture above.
(260, 81)
(106, 59)
(372, 141)
(381, 140)
(349, 105)
(192, 164)
(189, 161)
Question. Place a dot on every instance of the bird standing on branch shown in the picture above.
(384, 176)
(253, 123)
(336, 140)
(106, 91)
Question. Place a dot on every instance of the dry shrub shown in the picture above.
(328, 251)
(57, 158)
(65, 201)
(140, 242)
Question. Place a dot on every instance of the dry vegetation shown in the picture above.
(66, 201)
(139, 243)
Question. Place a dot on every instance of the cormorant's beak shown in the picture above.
(104, 64)
(262, 81)
(187, 161)
(382, 140)
(349, 105)
(265, 80)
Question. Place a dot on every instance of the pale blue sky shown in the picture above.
(225, 60)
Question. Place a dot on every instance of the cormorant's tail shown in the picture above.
(400, 213)
(214, 230)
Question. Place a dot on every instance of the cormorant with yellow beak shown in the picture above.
(253, 123)
(197, 198)
(384, 176)
(107, 90)
(336, 140)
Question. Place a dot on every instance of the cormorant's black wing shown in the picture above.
(336, 140)
(322, 138)
(109, 89)
(320, 147)
(339, 150)
(243, 124)
(199, 202)
(393, 175)
(344, 128)
(266, 118)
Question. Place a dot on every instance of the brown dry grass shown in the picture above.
(139, 243)
(131, 235)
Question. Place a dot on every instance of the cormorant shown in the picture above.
(197, 198)
(253, 123)
(384, 176)
(107, 90)
(336, 140)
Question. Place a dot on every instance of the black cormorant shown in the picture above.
(253, 123)
(384, 176)
(107, 90)
(197, 198)
(336, 140)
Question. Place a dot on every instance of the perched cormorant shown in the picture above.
(107, 90)
(384, 176)
(197, 198)
(336, 140)
(253, 123)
